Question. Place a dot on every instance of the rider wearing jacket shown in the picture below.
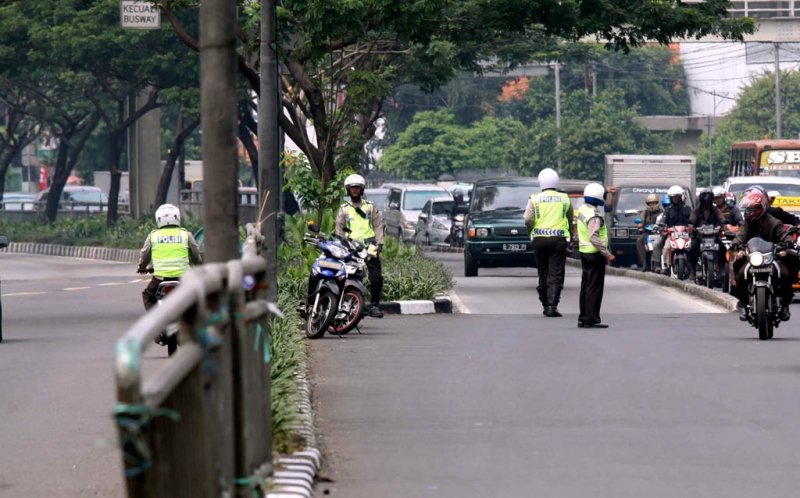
(648, 216)
(758, 223)
(365, 223)
(171, 250)
(726, 203)
(676, 214)
(706, 213)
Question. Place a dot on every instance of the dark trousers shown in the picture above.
(149, 293)
(593, 277)
(375, 273)
(551, 258)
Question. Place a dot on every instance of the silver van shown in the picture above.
(403, 205)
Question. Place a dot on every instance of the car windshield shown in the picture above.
(378, 199)
(88, 196)
(497, 197)
(443, 208)
(630, 200)
(415, 199)
(785, 189)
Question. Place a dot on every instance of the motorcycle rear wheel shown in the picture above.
(320, 318)
(763, 315)
(356, 312)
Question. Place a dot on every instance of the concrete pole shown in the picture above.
(268, 174)
(558, 112)
(219, 122)
(777, 91)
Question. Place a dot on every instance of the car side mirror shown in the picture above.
(394, 205)
(423, 216)
(3, 241)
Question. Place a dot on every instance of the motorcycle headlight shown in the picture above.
(681, 243)
(756, 258)
(459, 217)
(338, 252)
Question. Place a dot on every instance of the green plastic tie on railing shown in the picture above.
(252, 483)
(132, 419)
(259, 332)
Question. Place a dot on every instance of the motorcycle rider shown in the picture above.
(726, 203)
(759, 223)
(459, 208)
(648, 216)
(778, 212)
(171, 250)
(706, 213)
(656, 263)
(548, 217)
(676, 214)
(365, 223)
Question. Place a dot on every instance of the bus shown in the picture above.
(765, 158)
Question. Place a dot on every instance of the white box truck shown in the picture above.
(629, 179)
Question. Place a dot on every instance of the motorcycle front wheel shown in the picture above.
(680, 269)
(321, 315)
(711, 274)
(353, 302)
(763, 315)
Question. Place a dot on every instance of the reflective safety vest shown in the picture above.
(586, 213)
(169, 250)
(550, 209)
(360, 227)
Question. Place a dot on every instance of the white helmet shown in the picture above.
(548, 178)
(675, 190)
(354, 180)
(167, 214)
(718, 191)
(594, 191)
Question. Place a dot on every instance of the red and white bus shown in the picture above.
(765, 158)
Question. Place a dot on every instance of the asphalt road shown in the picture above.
(677, 398)
(62, 318)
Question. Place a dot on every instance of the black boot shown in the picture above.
(742, 311)
(543, 297)
(553, 297)
(785, 314)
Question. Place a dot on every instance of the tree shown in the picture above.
(752, 118)
(19, 129)
(344, 57)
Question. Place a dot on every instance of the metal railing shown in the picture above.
(200, 425)
(765, 9)
(63, 207)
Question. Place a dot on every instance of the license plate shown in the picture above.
(514, 247)
(761, 270)
(333, 265)
(709, 247)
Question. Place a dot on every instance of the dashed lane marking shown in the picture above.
(109, 284)
(24, 294)
(75, 288)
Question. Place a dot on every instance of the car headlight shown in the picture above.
(439, 225)
(756, 258)
(482, 232)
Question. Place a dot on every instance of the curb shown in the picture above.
(440, 304)
(293, 475)
(714, 296)
(85, 252)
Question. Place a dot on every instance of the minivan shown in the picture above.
(403, 205)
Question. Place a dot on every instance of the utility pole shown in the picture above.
(777, 90)
(219, 118)
(558, 113)
(268, 142)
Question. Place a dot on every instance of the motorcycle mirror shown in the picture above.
(312, 226)
(637, 220)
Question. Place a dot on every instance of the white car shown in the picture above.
(787, 187)
(403, 206)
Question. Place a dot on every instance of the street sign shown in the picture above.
(139, 14)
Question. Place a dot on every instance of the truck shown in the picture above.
(629, 179)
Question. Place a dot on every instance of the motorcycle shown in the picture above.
(337, 298)
(456, 237)
(727, 243)
(169, 337)
(762, 273)
(709, 255)
(679, 241)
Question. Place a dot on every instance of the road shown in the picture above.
(62, 318)
(677, 398)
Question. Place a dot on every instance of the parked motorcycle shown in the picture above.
(709, 255)
(679, 241)
(337, 293)
(168, 337)
(762, 273)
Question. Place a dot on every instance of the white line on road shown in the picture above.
(135, 281)
(108, 284)
(458, 305)
(24, 294)
(75, 288)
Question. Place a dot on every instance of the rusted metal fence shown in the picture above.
(200, 425)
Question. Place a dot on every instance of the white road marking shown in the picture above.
(24, 294)
(135, 281)
(108, 284)
(75, 288)
(458, 304)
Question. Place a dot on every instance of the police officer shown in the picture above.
(365, 223)
(171, 250)
(548, 217)
(593, 247)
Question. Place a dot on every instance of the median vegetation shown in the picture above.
(408, 274)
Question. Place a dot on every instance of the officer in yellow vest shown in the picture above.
(593, 248)
(548, 217)
(365, 223)
(170, 249)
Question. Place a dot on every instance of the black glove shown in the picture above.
(142, 271)
(380, 248)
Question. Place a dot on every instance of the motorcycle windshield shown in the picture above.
(757, 244)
